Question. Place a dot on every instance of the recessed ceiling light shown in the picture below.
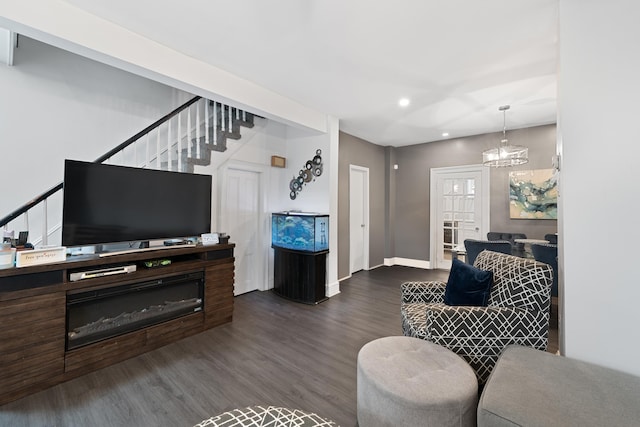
(445, 134)
(404, 102)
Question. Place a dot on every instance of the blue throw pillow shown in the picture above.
(467, 285)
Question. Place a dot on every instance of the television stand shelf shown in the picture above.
(35, 303)
(149, 249)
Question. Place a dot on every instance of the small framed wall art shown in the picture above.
(278, 162)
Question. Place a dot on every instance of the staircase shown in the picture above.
(205, 128)
(178, 142)
(184, 138)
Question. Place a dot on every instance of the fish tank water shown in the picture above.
(302, 231)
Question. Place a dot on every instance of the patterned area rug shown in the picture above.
(266, 416)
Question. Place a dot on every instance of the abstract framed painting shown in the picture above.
(533, 194)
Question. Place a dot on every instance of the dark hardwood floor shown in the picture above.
(275, 352)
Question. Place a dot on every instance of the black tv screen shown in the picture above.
(108, 204)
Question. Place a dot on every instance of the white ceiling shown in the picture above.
(456, 60)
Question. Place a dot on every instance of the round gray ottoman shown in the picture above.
(405, 381)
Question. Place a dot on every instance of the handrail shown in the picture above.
(144, 131)
(13, 215)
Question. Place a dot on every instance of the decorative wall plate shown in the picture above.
(312, 169)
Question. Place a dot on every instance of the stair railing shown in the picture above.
(166, 144)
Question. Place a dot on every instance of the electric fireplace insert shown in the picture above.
(96, 315)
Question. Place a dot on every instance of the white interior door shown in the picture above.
(242, 213)
(358, 218)
(460, 203)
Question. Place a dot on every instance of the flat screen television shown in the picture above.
(105, 204)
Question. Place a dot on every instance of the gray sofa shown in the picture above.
(530, 387)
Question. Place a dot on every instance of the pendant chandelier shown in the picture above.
(505, 154)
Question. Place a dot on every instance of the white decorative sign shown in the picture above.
(40, 256)
(210, 239)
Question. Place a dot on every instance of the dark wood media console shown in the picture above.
(35, 301)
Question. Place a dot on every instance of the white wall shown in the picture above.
(321, 194)
(599, 91)
(301, 147)
(58, 105)
(84, 108)
(256, 147)
(64, 25)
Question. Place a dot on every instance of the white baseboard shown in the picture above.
(345, 278)
(333, 289)
(407, 262)
(376, 266)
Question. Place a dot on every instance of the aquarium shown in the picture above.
(300, 231)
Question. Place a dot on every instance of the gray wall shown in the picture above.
(399, 199)
(541, 141)
(413, 182)
(358, 152)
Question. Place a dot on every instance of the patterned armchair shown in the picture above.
(517, 313)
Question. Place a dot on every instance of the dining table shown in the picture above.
(527, 244)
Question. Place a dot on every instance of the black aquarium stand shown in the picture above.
(300, 276)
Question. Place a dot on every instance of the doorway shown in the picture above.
(459, 210)
(358, 218)
(241, 217)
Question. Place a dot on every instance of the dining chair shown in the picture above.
(548, 253)
(518, 248)
(474, 247)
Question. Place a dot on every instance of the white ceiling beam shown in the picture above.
(60, 24)
(7, 45)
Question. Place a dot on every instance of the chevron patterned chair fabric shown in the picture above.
(517, 312)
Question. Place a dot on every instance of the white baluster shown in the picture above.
(215, 123)
(206, 121)
(147, 162)
(169, 145)
(237, 114)
(222, 117)
(244, 116)
(189, 142)
(26, 220)
(180, 141)
(230, 124)
(197, 131)
(45, 228)
(158, 148)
